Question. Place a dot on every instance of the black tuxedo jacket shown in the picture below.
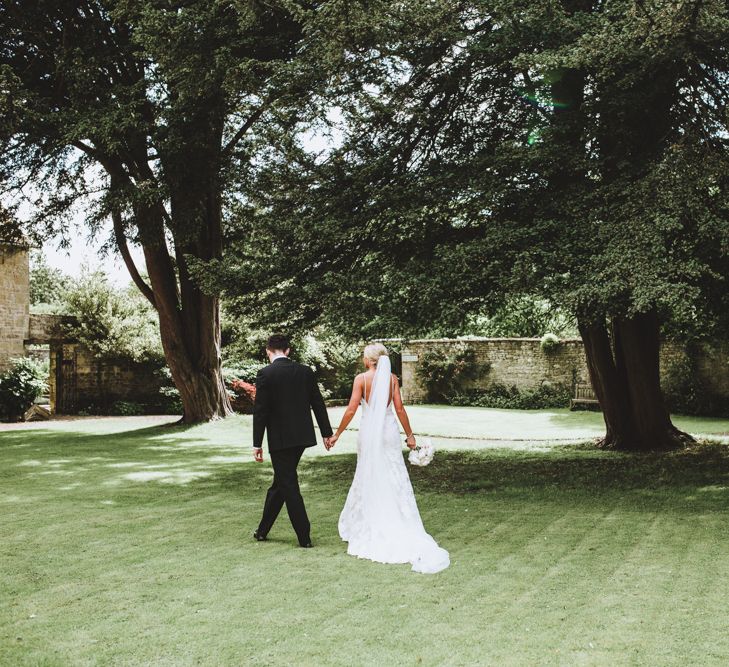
(286, 393)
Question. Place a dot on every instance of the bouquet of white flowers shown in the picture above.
(422, 455)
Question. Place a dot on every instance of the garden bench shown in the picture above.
(584, 398)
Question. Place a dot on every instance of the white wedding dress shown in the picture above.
(380, 519)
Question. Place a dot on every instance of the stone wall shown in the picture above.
(14, 302)
(79, 381)
(713, 367)
(711, 362)
(43, 328)
(522, 362)
(513, 361)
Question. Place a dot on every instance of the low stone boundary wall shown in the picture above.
(78, 380)
(523, 363)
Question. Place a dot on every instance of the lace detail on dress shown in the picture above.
(380, 519)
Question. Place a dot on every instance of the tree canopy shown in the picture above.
(572, 150)
(151, 113)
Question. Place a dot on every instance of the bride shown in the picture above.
(380, 519)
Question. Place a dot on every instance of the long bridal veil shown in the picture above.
(378, 492)
(380, 519)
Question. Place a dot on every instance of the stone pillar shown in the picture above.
(14, 302)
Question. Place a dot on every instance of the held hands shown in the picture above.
(330, 441)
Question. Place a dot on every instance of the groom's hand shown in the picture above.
(258, 454)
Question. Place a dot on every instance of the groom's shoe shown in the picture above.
(259, 537)
(306, 545)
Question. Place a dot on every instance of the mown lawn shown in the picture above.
(126, 544)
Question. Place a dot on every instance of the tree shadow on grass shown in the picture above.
(166, 454)
(694, 479)
(697, 476)
(54, 434)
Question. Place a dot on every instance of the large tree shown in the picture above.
(572, 149)
(147, 111)
(646, 134)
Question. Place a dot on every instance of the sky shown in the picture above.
(82, 250)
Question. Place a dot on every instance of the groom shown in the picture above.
(286, 393)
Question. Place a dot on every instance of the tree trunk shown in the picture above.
(189, 329)
(623, 365)
(608, 386)
(189, 320)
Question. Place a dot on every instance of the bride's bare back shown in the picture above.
(361, 390)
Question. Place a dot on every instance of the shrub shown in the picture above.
(242, 387)
(243, 396)
(334, 359)
(500, 396)
(445, 374)
(245, 371)
(127, 408)
(170, 402)
(240, 383)
(112, 322)
(47, 285)
(549, 343)
(325, 393)
(20, 385)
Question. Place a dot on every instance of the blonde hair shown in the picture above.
(374, 351)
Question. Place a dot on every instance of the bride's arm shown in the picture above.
(351, 410)
(402, 415)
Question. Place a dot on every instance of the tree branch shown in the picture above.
(121, 242)
(228, 148)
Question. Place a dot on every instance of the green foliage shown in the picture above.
(180, 83)
(576, 152)
(242, 340)
(47, 285)
(522, 317)
(153, 114)
(170, 402)
(445, 374)
(112, 322)
(10, 226)
(334, 359)
(246, 371)
(20, 385)
(500, 396)
(549, 343)
(127, 408)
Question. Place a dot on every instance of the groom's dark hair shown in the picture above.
(278, 342)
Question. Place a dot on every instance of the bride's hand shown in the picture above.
(332, 441)
(410, 441)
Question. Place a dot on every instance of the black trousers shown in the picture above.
(285, 489)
